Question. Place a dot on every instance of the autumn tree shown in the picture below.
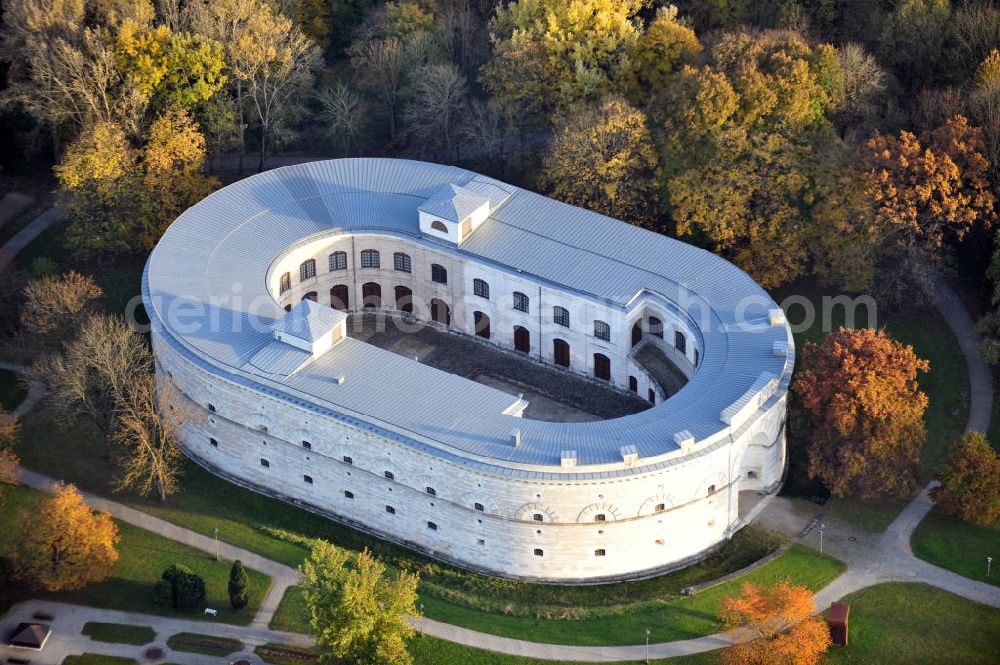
(148, 428)
(68, 545)
(342, 114)
(436, 106)
(781, 623)
(970, 481)
(984, 108)
(665, 46)
(8, 458)
(91, 377)
(859, 389)
(859, 86)
(54, 307)
(929, 187)
(748, 202)
(602, 158)
(357, 612)
(549, 53)
(913, 38)
(784, 83)
(989, 325)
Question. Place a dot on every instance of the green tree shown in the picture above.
(239, 585)
(357, 612)
(913, 38)
(970, 481)
(602, 158)
(187, 588)
(749, 202)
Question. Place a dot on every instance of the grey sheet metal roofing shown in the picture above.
(205, 285)
(309, 320)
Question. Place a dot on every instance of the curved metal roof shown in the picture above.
(205, 288)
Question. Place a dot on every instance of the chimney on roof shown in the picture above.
(515, 438)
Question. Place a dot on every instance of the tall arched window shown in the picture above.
(404, 299)
(440, 312)
(307, 269)
(370, 258)
(520, 301)
(680, 341)
(560, 352)
(371, 295)
(481, 288)
(340, 297)
(439, 274)
(655, 327)
(285, 283)
(602, 331)
(338, 261)
(633, 384)
(602, 367)
(560, 316)
(522, 339)
(312, 295)
(481, 324)
(401, 262)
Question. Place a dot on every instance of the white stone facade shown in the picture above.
(548, 520)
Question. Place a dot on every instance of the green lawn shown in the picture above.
(118, 633)
(97, 659)
(951, 543)
(143, 556)
(11, 390)
(204, 644)
(909, 623)
(280, 531)
(946, 385)
(669, 618)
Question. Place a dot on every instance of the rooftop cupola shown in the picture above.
(452, 213)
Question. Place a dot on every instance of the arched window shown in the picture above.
(401, 262)
(633, 384)
(481, 325)
(538, 517)
(432, 526)
(560, 352)
(440, 312)
(602, 331)
(404, 299)
(478, 506)
(439, 274)
(652, 396)
(522, 339)
(660, 507)
(288, 308)
(340, 297)
(481, 288)
(560, 316)
(431, 491)
(371, 295)
(338, 261)
(389, 509)
(308, 479)
(307, 269)
(348, 460)
(439, 226)
(539, 552)
(636, 332)
(390, 475)
(602, 367)
(348, 494)
(680, 341)
(655, 327)
(520, 301)
(285, 283)
(711, 489)
(600, 517)
(370, 258)
(312, 295)
(307, 445)
(599, 552)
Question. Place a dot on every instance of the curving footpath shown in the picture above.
(871, 558)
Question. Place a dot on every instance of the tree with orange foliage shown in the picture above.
(859, 389)
(932, 185)
(54, 306)
(65, 544)
(781, 621)
(8, 460)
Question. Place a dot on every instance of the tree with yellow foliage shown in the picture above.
(781, 621)
(666, 45)
(357, 612)
(602, 158)
(68, 545)
(747, 201)
(8, 459)
(551, 53)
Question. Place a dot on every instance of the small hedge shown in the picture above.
(119, 633)
(210, 645)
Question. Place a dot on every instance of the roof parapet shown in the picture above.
(751, 400)
(630, 455)
(685, 440)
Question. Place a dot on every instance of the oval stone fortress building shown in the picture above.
(249, 294)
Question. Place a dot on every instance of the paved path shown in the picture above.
(68, 620)
(34, 229)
